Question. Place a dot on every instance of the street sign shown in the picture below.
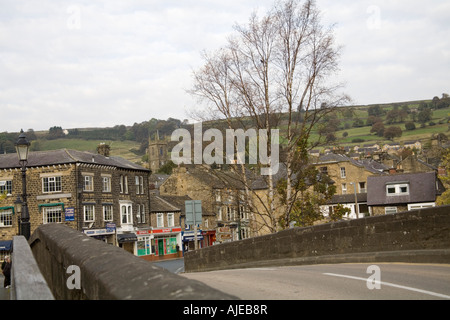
(193, 216)
(69, 214)
(193, 212)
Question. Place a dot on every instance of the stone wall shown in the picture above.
(105, 271)
(419, 236)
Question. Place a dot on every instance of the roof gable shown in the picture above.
(422, 188)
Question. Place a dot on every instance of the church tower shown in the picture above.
(157, 153)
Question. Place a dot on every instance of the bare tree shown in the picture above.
(275, 72)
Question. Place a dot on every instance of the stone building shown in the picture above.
(403, 192)
(104, 197)
(225, 212)
(164, 239)
(350, 178)
(157, 153)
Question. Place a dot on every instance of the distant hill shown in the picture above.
(350, 126)
(354, 128)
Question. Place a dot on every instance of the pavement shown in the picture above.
(4, 292)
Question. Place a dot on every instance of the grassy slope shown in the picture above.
(124, 148)
(422, 134)
(118, 148)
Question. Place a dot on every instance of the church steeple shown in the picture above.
(157, 153)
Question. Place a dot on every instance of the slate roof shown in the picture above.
(368, 164)
(219, 179)
(174, 201)
(423, 187)
(158, 204)
(67, 156)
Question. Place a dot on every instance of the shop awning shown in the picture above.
(126, 237)
(6, 245)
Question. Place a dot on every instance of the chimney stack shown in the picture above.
(103, 149)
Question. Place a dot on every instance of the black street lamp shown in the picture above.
(22, 148)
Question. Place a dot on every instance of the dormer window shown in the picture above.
(398, 189)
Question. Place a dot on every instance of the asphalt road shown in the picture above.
(381, 281)
(173, 265)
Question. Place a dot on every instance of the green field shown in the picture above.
(440, 118)
(123, 149)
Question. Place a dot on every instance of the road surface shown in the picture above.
(383, 281)
(173, 265)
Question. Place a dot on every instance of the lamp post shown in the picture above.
(22, 148)
(356, 200)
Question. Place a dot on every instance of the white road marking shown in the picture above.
(391, 285)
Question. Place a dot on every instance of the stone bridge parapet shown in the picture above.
(77, 267)
(421, 236)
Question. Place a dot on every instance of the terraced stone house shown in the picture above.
(104, 197)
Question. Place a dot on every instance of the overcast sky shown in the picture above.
(78, 64)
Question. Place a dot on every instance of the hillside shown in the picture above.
(349, 126)
(355, 130)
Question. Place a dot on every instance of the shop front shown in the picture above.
(166, 242)
(104, 234)
(127, 241)
(189, 240)
(144, 244)
(209, 238)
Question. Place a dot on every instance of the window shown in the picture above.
(108, 212)
(89, 212)
(170, 219)
(52, 214)
(51, 184)
(389, 210)
(245, 232)
(106, 184)
(230, 197)
(397, 189)
(6, 217)
(416, 206)
(160, 220)
(137, 184)
(123, 184)
(141, 213)
(126, 212)
(6, 187)
(88, 183)
(344, 188)
(139, 180)
(323, 170)
(362, 187)
(219, 213)
(229, 213)
(343, 172)
(218, 197)
(243, 212)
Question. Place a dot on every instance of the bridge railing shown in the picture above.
(77, 267)
(421, 236)
(27, 281)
